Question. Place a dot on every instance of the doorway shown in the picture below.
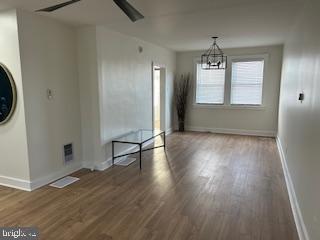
(158, 85)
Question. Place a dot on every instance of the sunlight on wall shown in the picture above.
(156, 98)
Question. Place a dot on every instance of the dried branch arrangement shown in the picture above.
(181, 92)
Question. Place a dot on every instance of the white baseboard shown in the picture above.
(301, 227)
(108, 163)
(102, 166)
(32, 185)
(169, 131)
(87, 165)
(55, 176)
(15, 183)
(37, 183)
(233, 131)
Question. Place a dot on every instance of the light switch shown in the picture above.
(301, 97)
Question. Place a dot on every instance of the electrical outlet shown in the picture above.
(315, 219)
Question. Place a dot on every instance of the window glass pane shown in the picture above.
(210, 86)
(247, 82)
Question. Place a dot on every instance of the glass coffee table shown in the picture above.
(138, 138)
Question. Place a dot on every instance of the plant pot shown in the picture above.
(181, 126)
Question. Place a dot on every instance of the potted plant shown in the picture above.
(181, 92)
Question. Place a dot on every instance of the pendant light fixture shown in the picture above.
(214, 58)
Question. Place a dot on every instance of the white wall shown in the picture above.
(48, 57)
(14, 167)
(299, 123)
(111, 89)
(261, 121)
(124, 84)
(89, 95)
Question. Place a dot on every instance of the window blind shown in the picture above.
(247, 82)
(210, 86)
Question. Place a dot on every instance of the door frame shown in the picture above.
(162, 94)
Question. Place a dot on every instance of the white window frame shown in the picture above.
(227, 91)
(197, 61)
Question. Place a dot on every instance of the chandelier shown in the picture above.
(214, 57)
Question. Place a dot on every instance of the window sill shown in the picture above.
(230, 107)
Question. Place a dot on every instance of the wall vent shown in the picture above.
(68, 152)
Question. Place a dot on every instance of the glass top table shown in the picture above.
(138, 138)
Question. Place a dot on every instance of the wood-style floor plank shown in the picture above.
(206, 186)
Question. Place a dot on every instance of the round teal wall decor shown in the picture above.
(8, 94)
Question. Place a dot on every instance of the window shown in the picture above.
(210, 86)
(239, 86)
(247, 82)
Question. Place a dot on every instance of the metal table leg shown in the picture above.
(140, 148)
(140, 152)
(112, 153)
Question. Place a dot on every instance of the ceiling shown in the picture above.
(183, 24)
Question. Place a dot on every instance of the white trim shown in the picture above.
(169, 131)
(228, 82)
(102, 166)
(40, 182)
(68, 169)
(87, 165)
(246, 132)
(245, 58)
(163, 91)
(196, 62)
(229, 107)
(257, 57)
(15, 183)
(300, 225)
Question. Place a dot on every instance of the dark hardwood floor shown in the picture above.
(209, 186)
